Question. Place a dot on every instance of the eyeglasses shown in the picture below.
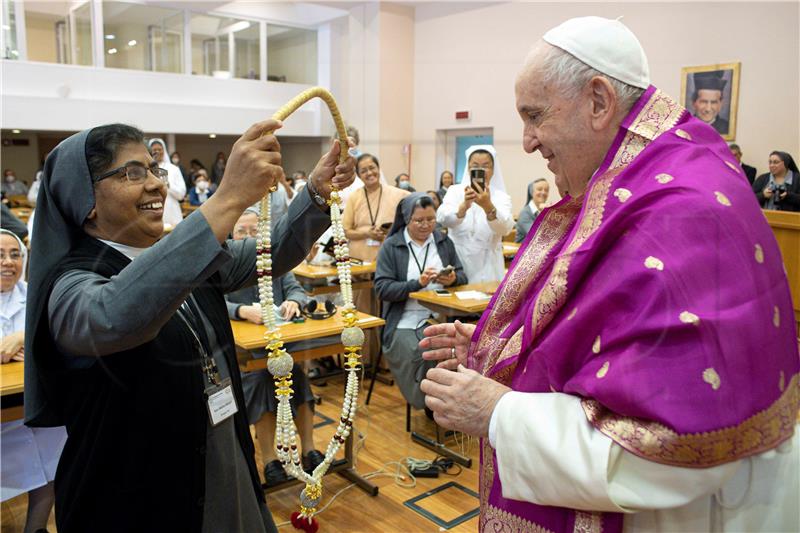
(239, 232)
(420, 221)
(136, 172)
(364, 170)
(14, 256)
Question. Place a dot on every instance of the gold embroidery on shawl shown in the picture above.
(733, 167)
(759, 254)
(689, 318)
(572, 313)
(660, 114)
(496, 520)
(622, 194)
(553, 294)
(776, 317)
(550, 232)
(596, 345)
(586, 522)
(663, 179)
(721, 198)
(653, 441)
(486, 476)
(683, 134)
(603, 370)
(711, 377)
(654, 263)
(782, 382)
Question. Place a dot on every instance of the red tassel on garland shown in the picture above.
(304, 524)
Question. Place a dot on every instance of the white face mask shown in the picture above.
(176, 160)
(202, 186)
(11, 178)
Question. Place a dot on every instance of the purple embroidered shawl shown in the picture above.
(659, 298)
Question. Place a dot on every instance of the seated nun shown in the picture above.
(415, 257)
(29, 455)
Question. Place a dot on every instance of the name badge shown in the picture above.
(372, 242)
(221, 402)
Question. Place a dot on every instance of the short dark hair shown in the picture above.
(476, 152)
(365, 156)
(734, 146)
(352, 132)
(103, 142)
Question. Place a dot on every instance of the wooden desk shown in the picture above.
(11, 386)
(453, 306)
(310, 273)
(250, 336)
(315, 272)
(22, 213)
(187, 208)
(19, 200)
(510, 249)
(786, 227)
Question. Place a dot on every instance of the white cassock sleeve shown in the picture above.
(549, 454)
(447, 214)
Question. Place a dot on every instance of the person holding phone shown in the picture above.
(477, 214)
(414, 257)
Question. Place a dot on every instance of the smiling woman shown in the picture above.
(129, 343)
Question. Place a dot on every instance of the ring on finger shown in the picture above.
(452, 352)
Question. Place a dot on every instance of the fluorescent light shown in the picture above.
(15, 131)
(236, 26)
(132, 42)
(212, 135)
(112, 50)
(111, 36)
(15, 53)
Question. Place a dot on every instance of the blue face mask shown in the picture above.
(406, 186)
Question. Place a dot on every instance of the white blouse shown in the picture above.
(479, 242)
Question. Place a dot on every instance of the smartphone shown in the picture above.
(445, 271)
(477, 176)
(386, 226)
(442, 292)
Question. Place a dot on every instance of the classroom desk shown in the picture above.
(510, 249)
(19, 200)
(187, 208)
(453, 306)
(307, 273)
(11, 387)
(250, 336)
(22, 213)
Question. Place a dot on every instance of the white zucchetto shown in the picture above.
(605, 45)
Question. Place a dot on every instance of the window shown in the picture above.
(225, 47)
(9, 21)
(142, 37)
(59, 32)
(291, 54)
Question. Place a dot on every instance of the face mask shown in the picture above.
(202, 186)
(404, 185)
(176, 160)
(11, 178)
(299, 181)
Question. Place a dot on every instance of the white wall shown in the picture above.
(467, 57)
(42, 96)
(23, 160)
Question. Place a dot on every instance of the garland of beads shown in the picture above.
(279, 363)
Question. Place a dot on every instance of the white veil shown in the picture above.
(497, 183)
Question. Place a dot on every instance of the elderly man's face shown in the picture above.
(246, 226)
(707, 105)
(557, 127)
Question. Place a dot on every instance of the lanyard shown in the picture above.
(372, 219)
(190, 315)
(424, 261)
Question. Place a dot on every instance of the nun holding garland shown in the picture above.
(129, 342)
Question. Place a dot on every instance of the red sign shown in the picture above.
(462, 115)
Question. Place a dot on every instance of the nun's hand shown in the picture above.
(329, 172)
(254, 166)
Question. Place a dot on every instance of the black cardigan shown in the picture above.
(792, 200)
(391, 272)
(137, 421)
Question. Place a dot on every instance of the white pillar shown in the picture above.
(262, 49)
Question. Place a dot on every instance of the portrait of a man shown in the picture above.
(710, 93)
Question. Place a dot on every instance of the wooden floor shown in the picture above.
(382, 425)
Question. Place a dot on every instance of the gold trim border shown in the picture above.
(655, 442)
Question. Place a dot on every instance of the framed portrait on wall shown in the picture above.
(711, 93)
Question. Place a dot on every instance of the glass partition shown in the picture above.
(59, 32)
(225, 47)
(142, 37)
(9, 21)
(291, 54)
